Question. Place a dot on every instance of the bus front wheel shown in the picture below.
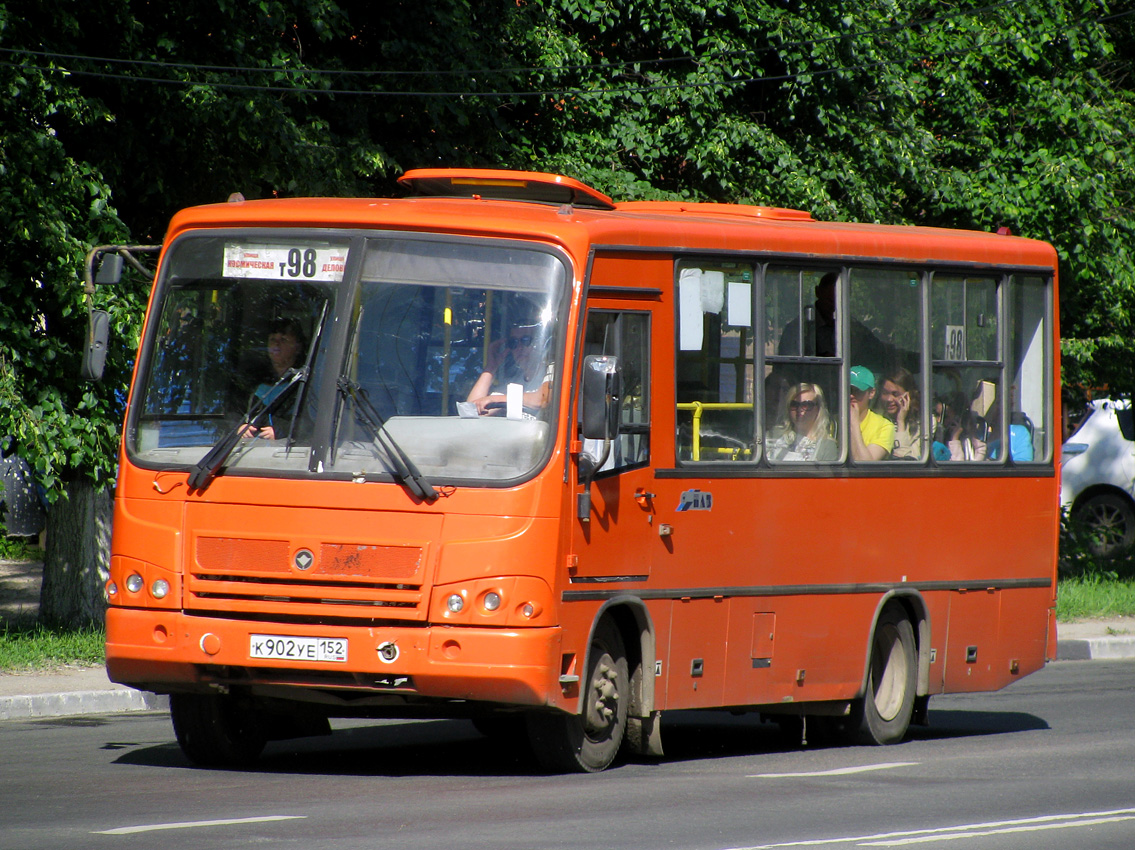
(216, 730)
(589, 742)
(885, 710)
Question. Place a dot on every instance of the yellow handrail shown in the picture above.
(697, 407)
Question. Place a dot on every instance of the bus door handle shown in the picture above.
(643, 498)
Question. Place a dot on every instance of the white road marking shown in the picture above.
(954, 836)
(839, 771)
(154, 827)
(963, 831)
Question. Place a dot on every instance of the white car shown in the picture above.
(1098, 475)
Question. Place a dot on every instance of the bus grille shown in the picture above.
(263, 577)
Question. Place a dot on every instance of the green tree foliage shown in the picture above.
(53, 206)
(1016, 113)
(117, 113)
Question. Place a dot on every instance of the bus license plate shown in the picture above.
(285, 648)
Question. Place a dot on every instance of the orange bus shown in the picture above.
(508, 450)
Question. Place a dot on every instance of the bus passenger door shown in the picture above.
(612, 543)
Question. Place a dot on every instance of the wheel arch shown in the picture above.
(636, 628)
(913, 604)
(1091, 492)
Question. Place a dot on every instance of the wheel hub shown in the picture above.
(603, 702)
(889, 683)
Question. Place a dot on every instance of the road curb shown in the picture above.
(1095, 649)
(71, 703)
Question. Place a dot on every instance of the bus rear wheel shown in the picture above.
(215, 730)
(885, 710)
(588, 742)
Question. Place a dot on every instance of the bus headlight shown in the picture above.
(495, 601)
(530, 610)
(136, 582)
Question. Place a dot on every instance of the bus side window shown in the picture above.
(802, 398)
(885, 341)
(1030, 415)
(716, 363)
(965, 325)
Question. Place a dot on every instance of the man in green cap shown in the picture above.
(875, 436)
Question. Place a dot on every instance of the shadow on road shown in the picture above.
(456, 748)
(967, 724)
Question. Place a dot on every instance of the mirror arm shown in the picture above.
(588, 466)
(98, 321)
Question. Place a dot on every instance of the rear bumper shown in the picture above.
(171, 652)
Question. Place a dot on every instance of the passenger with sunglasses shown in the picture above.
(805, 432)
(516, 359)
(875, 436)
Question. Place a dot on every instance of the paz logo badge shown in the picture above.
(695, 500)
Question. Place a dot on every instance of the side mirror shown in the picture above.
(110, 269)
(600, 395)
(111, 261)
(1071, 450)
(600, 402)
(94, 354)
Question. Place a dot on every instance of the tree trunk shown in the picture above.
(77, 556)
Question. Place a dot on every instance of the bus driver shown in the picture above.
(515, 359)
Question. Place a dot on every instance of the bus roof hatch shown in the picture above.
(504, 185)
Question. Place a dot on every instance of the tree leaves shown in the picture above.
(971, 115)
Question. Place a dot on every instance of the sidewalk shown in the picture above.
(69, 692)
(62, 692)
(86, 690)
(1096, 640)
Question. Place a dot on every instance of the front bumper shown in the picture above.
(170, 651)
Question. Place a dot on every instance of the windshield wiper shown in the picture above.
(405, 470)
(207, 468)
(307, 370)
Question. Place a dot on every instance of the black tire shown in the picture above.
(1109, 520)
(588, 743)
(884, 713)
(216, 730)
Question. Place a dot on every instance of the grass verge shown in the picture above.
(1095, 596)
(1096, 589)
(1089, 587)
(25, 648)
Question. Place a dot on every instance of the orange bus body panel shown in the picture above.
(769, 599)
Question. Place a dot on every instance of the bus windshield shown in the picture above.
(448, 358)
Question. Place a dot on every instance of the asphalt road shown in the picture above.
(1046, 763)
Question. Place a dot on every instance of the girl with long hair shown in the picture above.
(805, 431)
(902, 404)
